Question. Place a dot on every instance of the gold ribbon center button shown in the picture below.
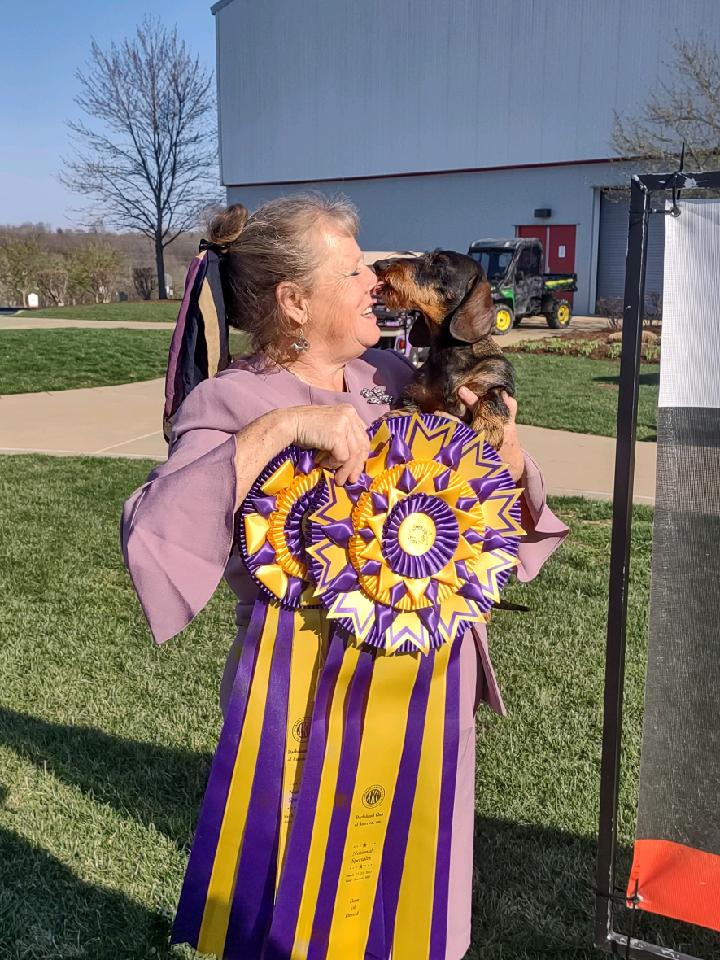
(416, 534)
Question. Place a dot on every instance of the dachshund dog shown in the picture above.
(454, 297)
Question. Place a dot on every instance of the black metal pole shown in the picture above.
(620, 558)
(641, 949)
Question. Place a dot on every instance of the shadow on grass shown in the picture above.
(533, 885)
(534, 896)
(47, 912)
(645, 379)
(154, 784)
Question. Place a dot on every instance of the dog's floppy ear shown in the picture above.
(475, 317)
(419, 335)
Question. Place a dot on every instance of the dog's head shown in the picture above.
(448, 288)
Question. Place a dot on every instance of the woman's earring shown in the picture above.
(302, 343)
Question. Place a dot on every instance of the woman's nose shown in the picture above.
(371, 278)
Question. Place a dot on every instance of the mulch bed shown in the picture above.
(596, 345)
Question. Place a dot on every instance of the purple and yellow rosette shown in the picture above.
(271, 526)
(423, 543)
(399, 562)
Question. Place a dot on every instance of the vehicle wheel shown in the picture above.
(559, 315)
(504, 319)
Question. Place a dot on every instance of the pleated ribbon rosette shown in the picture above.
(423, 544)
(312, 842)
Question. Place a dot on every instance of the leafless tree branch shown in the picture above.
(686, 108)
(147, 157)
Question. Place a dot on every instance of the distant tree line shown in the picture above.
(68, 267)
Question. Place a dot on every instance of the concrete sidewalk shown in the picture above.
(56, 323)
(532, 328)
(125, 421)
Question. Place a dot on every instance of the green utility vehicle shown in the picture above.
(519, 286)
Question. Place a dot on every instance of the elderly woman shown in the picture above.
(294, 279)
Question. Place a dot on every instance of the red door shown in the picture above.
(539, 233)
(558, 242)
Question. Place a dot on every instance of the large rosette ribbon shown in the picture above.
(426, 546)
(328, 813)
(404, 560)
(227, 897)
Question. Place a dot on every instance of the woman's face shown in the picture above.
(341, 321)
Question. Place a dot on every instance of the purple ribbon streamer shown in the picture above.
(451, 744)
(252, 906)
(174, 392)
(289, 894)
(189, 915)
(347, 771)
(382, 925)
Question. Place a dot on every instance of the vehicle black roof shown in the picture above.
(511, 244)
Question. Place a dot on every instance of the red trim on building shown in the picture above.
(677, 881)
(430, 173)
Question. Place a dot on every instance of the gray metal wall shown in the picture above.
(612, 247)
(452, 210)
(338, 88)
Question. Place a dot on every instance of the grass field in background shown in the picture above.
(165, 311)
(34, 360)
(105, 740)
(560, 393)
(579, 394)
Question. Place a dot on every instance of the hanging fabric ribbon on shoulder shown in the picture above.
(311, 852)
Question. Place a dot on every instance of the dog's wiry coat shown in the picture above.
(452, 293)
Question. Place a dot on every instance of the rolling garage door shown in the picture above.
(613, 245)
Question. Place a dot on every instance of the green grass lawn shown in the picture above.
(579, 394)
(165, 311)
(34, 360)
(105, 741)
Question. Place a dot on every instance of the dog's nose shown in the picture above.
(381, 265)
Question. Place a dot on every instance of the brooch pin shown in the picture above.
(376, 395)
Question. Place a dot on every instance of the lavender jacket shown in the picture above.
(178, 530)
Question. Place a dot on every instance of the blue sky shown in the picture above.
(43, 43)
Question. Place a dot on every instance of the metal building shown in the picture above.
(449, 120)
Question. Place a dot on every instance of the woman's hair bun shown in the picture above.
(226, 227)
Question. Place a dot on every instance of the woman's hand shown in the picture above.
(510, 452)
(336, 430)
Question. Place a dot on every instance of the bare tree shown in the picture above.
(150, 161)
(685, 108)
